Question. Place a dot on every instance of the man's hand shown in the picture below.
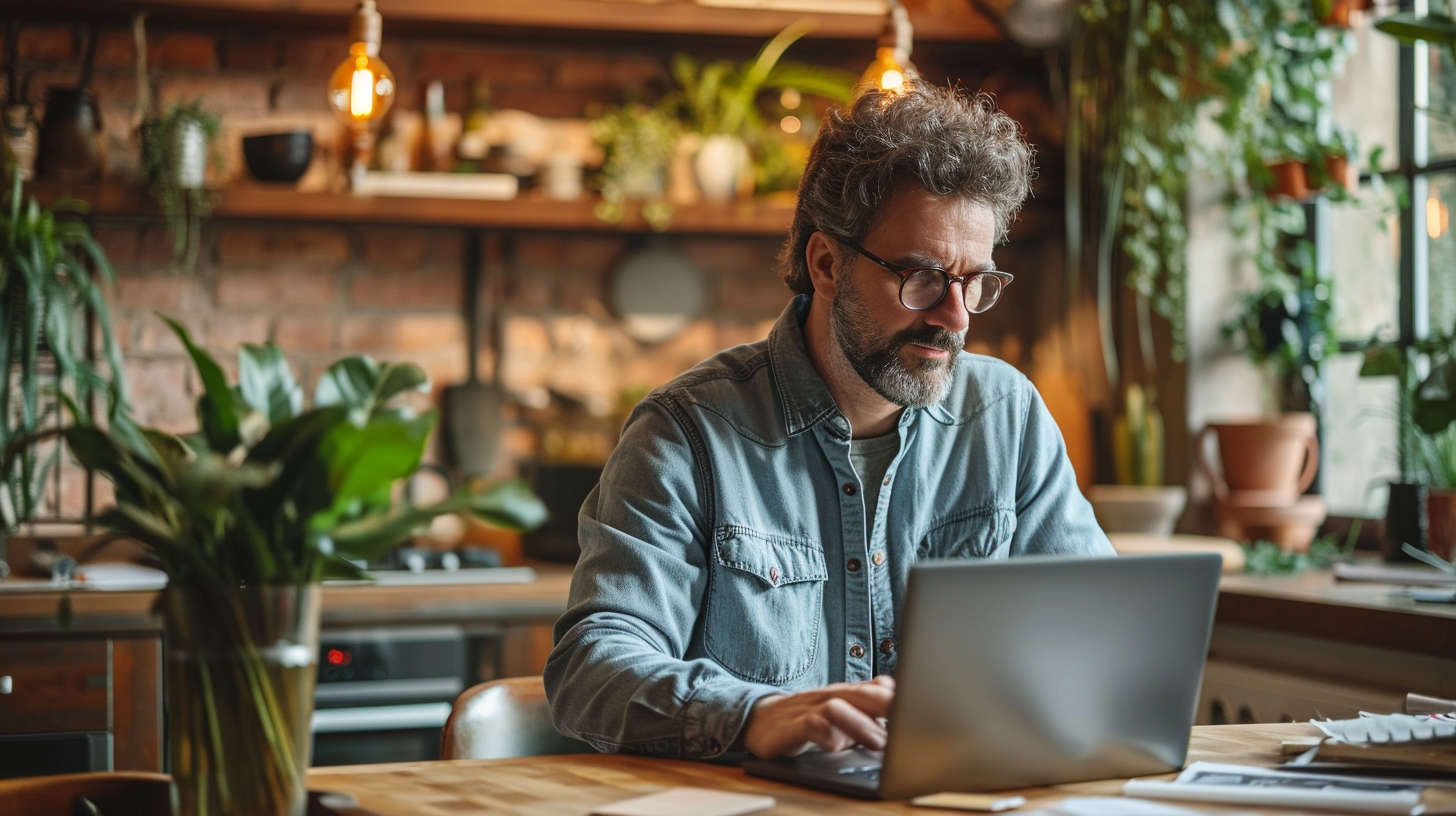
(835, 717)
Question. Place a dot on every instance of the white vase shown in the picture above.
(721, 160)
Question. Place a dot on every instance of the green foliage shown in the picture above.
(1266, 558)
(1427, 404)
(46, 291)
(1286, 326)
(184, 207)
(637, 142)
(1138, 442)
(720, 97)
(269, 493)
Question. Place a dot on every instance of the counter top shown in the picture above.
(123, 613)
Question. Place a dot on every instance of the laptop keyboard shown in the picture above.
(866, 773)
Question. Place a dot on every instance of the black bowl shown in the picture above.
(278, 156)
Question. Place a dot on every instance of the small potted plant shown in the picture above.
(637, 142)
(176, 147)
(718, 101)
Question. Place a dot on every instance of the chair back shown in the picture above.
(504, 718)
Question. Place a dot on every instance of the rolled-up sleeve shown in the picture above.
(619, 676)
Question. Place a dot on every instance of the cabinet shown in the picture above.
(80, 704)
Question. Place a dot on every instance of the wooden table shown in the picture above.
(573, 785)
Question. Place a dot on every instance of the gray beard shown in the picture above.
(877, 359)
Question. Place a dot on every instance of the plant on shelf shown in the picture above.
(637, 142)
(1285, 327)
(246, 516)
(719, 102)
(47, 291)
(175, 151)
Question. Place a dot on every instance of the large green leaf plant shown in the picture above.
(267, 492)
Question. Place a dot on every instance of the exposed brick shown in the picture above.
(154, 337)
(41, 43)
(119, 241)
(536, 250)
(300, 93)
(234, 94)
(530, 291)
(225, 332)
(728, 255)
(597, 73)
(315, 56)
(408, 288)
(160, 291)
(592, 253)
(114, 48)
(305, 333)
(195, 52)
(501, 69)
(249, 54)
(401, 336)
(749, 295)
(161, 393)
(299, 248)
(279, 288)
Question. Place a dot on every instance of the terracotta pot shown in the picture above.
(1292, 527)
(1291, 180)
(1271, 462)
(1441, 522)
(1342, 172)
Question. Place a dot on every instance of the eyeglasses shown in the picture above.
(923, 287)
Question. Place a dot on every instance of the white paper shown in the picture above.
(1249, 785)
(680, 801)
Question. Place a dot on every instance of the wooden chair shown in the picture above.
(504, 718)
(125, 793)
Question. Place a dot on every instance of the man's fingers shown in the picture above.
(873, 697)
(859, 727)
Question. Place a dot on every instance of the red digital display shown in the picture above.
(338, 657)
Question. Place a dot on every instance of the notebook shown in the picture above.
(1034, 671)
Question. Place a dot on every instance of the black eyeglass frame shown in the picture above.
(1003, 279)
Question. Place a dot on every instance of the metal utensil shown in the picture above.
(472, 409)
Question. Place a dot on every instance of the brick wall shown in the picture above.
(322, 291)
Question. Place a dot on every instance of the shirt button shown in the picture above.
(773, 574)
(856, 651)
(852, 565)
(887, 645)
(848, 489)
(878, 558)
(713, 746)
(886, 483)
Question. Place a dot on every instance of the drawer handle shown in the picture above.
(6, 684)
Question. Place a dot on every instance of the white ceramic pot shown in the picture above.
(1137, 509)
(720, 161)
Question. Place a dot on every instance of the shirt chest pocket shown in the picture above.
(984, 532)
(765, 604)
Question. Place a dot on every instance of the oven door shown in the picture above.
(384, 694)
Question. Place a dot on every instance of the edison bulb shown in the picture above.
(886, 72)
(362, 87)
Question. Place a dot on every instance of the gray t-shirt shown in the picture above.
(871, 457)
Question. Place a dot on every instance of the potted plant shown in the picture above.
(175, 151)
(246, 516)
(718, 101)
(1139, 502)
(637, 142)
(47, 290)
(1421, 509)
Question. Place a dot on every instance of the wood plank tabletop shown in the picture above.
(573, 785)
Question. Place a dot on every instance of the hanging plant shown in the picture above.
(175, 149)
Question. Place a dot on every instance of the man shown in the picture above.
(745, 556)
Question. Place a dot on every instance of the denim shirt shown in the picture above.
(725, 553)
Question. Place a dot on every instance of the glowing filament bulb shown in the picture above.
(361, 90)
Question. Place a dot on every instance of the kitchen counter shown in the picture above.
(121, 613)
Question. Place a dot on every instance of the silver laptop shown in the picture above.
(1034, 671)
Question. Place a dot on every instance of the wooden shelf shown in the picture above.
(934, 20)
(756, 217)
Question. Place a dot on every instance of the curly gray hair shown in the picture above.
(951, 142)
